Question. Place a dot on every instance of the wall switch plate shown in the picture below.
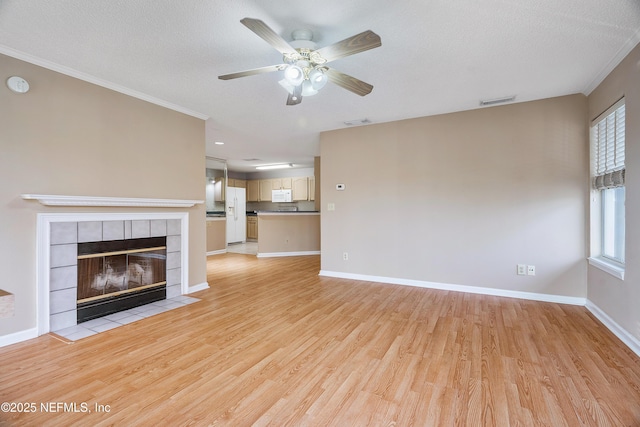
(531, 270)
(522, 270)
(331, 206)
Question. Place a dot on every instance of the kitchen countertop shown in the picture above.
(216, 214)
(261, 213)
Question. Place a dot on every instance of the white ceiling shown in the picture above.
(437, 56)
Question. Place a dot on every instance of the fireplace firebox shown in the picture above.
(120, 274)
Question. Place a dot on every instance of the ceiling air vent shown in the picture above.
(488, 102)
(357, 122)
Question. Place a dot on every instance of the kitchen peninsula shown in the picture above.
(288, 233)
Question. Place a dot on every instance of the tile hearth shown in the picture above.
(101, 324)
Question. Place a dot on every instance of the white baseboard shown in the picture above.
(632, 342)
(277, 254)
(17, 337)
(218, 252)
(458, 288)
(198, 287)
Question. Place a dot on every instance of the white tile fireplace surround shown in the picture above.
(58, 235)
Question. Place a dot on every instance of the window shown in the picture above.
(613, 224)
(608, 174)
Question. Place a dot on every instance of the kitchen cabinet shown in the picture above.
(237, 183)
(260, 190)
(300, 190)
(312, 188)
(252, 227)
(253, 191)
(286, 183)
(265, 190)
(280, 183)
(267, 185)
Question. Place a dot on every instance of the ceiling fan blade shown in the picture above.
(253, 72)
(349, 83)
(350, 46)
(295, 98)
(267, 34)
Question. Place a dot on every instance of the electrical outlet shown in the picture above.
(522, 270)
(345, 256)
(531, 270)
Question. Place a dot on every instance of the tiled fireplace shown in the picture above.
(58, 235)
(67, 236)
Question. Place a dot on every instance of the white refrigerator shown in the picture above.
(236, 201)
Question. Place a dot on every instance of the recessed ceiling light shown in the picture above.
(219, 143)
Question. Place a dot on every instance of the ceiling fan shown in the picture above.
(305, 70)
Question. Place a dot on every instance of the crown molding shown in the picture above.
(5, 50)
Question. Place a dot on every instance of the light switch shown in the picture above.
(331, 206)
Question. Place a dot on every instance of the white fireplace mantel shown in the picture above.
(90, 201)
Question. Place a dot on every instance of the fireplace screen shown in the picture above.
(113, 270)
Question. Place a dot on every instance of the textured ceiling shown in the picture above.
(437, 56)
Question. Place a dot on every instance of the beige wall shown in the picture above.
(619, 299)
(462, 198)
(69, 137)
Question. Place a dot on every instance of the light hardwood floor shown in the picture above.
(272, 343)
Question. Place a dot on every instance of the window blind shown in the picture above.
(607, 144)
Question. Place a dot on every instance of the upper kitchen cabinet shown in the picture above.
(237, 183)
(312, 188)
(281, 183)
(265, 190)
(300, 189)
(253, 191)
(267, 185)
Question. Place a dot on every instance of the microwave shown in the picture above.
(278, 196)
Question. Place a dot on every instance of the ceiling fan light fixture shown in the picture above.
(317, 78)
(294, 75)
(308, 89)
